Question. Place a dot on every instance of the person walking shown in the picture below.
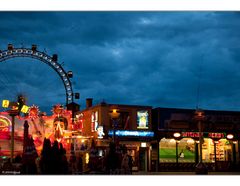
(125, 162)
(130, 163)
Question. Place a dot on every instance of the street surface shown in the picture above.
(184, 173)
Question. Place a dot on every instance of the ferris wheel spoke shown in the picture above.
(34, 79)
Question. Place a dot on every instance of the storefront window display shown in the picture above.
(186, 150)
(223, 150)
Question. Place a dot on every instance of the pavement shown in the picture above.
(184, 173)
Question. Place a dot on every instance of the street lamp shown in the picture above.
(230, 136)
(114, 114)
(199, 117)
(16, 107)
(177, 136)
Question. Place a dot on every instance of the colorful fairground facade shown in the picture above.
(57, 126)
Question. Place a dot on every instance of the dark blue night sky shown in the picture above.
(159, 59)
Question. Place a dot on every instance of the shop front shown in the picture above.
(138, 144)
(218, 129)
(139, 152)
(218, 152)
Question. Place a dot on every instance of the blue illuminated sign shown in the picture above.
(131, 133)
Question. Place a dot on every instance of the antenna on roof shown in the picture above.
(199, 84)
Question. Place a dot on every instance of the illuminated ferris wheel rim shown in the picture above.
(51, 61)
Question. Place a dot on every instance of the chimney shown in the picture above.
(89, 102)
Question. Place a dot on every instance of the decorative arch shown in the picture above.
(41, 56)
(5, 123)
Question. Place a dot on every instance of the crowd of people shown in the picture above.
(54, 161)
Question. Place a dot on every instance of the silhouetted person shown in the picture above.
(29, 157)
(55, 158)
(125, 162)
(18, 163)
(61, 149)
(45, 159)
(80, 165)
(130, 163)
(112, 160)
(63, 160)
(73, 160)
(18, 159)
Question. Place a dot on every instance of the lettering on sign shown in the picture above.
(216, 135)
(190, 134)
(205, 134)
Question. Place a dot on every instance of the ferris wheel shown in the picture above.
(7, 80)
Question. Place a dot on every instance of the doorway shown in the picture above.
(143, 159)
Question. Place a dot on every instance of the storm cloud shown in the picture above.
(160, 59)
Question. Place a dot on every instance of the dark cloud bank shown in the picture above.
(143, 58)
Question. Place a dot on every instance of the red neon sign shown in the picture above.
(190, 134)
(205, 134)
(216, 135)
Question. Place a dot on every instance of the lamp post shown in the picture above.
(215, 153)
(199, 117)
(233, 142)
(196, 150)
(16, 108)
(114, 114)
(234, 154)
(12, 113)
(177, 136)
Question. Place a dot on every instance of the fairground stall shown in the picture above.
(57, 126)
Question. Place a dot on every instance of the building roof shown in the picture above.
(192, 110)
(117, 105)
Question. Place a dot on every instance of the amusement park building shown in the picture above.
(132, 129)
(146, 133)
(217, 151)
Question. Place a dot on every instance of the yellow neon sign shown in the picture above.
(5, 103)
(24, 109)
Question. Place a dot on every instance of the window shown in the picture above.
(142, 119)
(94, 121)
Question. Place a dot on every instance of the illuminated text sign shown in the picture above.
(131, 133)
(205, 134)
(216, 135)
